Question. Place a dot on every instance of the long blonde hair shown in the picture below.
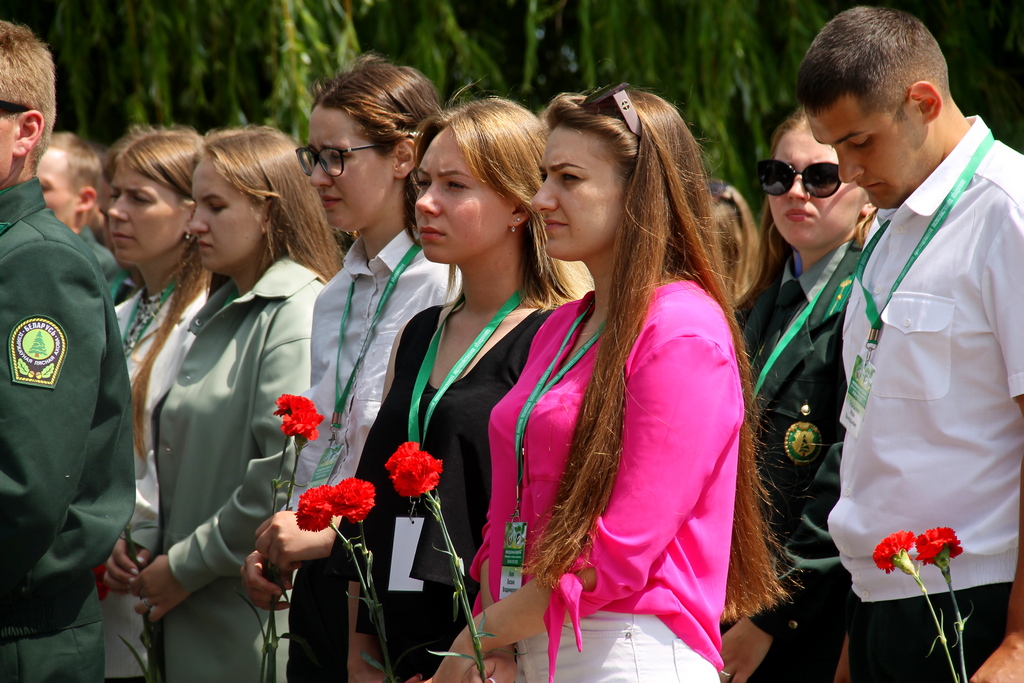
(259, 161)
(166, 156)
(663, 237)
(502, 143)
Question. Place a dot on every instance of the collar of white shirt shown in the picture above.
(926, 199)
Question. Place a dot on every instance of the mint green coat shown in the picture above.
(218, 446)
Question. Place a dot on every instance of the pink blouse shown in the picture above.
(662, 545)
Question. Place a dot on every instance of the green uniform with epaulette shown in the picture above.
(66, 472)
(800, 396)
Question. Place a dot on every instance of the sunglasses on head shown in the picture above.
(11, 107)
(777, 177)
(618, 95)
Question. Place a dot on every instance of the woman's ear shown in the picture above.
(866, 210)
(405, 157)
(519, 218)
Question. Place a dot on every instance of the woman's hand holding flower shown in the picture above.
(158, 587)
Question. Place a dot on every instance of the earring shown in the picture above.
(187, 236)
(517, 221)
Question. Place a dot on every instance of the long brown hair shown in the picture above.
(503, 143)
(388, 102)
(259, 161)
(663, 237)
(166, 156)
(774, 250)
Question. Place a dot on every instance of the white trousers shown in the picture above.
(617, 648)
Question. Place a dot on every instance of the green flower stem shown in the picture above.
(460, 583)
(152, 672)
(369, 595)
(938, 626)
(959, 620)
(299, 445)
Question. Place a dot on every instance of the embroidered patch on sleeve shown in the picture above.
(37, 348)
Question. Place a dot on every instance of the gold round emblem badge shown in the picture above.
(802, 442)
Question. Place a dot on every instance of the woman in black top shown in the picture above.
(477, 174)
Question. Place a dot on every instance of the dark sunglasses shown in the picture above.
(10, 106)
(331, 159)
(820, 180)
(618, 95)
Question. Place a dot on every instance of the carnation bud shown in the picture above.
(903, 562)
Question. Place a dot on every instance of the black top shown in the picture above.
(457, 435)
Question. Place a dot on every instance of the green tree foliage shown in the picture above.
(730, 64)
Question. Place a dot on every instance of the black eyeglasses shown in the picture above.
(331, 159)
(617, 94)
(12, 107)
(820, 180)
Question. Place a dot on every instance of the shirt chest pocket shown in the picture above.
(915, 348)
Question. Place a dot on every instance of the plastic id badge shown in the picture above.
(326, 465)
(857, 394)
(403, 552)
(512, 558)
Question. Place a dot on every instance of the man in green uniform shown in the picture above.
(66, 471)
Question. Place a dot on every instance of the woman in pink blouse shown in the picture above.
(623, 449)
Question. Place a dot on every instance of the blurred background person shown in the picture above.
(731, 217)
(69, 174)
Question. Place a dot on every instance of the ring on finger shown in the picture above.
(727, 675)
(146, 603)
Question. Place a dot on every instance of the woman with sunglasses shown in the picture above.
(639, 492)
(360, 159)
(262, 233)
(811, 227)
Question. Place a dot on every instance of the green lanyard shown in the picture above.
(4, 227)
(135, 311)
(341, 395)
(794, 327)
(873, 312)
(415, 433)
(543, 386)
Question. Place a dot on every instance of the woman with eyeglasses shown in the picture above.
(638, 495)
(218, 445)
(360, 160)
(812, 225)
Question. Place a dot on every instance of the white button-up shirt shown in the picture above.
(941, 439)
(423, 284)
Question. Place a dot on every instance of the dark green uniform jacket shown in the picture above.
(800, 402)
(67, 484)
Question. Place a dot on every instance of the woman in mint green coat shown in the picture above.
(261, 230)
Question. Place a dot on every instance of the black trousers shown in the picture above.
(319, 615)
(891, 640)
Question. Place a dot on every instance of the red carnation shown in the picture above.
(298, 416)
(101, 588)
(315, 509)
(352, 499)
(413, 472)
(932, 543)
(892, 552)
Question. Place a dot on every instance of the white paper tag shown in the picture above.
(407, 537)
(857, 394)
(511, 580)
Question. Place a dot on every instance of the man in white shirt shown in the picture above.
(938, 440)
